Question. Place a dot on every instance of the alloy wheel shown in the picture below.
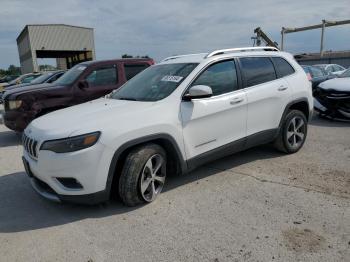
(152, 177)
(296, 132)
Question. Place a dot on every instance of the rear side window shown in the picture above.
(102, 76)
(283, 68)
(132, 70)
(220, 77)
(257, 70)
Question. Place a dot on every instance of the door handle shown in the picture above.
(236, 100)
(282, 88)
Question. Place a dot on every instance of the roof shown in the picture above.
(117, 60)
(226, 53)
(26, 27)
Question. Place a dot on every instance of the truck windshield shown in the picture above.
(155, 83)
(71, 75)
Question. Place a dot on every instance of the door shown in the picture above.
(210, 123)
(100, 81)
(267, 92)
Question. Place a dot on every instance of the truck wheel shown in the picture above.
(143, 175)
(293, 132)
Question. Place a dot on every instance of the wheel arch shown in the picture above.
(301, 104)
(177, 164)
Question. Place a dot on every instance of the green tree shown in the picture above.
(13, 70)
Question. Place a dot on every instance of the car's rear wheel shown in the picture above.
(292, 133)
(143, 175)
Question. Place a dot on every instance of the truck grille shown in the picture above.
(30, 146)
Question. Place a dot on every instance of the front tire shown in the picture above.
(292, 133)
(143, 175)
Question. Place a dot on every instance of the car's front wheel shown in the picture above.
(143, 175)
(292, 133)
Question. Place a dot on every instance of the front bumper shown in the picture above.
(17, 120)
(87, 166)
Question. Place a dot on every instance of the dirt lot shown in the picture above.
(258, 205)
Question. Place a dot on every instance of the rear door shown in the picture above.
(267, 92)
(209, 123)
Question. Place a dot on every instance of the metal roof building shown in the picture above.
(68, 44)
(336, 57)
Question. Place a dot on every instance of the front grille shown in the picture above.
(30, 146)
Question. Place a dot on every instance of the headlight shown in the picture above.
(72, 143)
(15, 104)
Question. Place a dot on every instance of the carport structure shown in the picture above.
(69, 44)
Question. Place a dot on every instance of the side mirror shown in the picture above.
(83, 84)
(198, 91)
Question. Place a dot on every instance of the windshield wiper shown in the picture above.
(127, 98)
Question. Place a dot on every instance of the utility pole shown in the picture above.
(322, 37)
(282, 38)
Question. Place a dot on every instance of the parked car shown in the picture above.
(46, 77)
(4, 81)
(332, 69)
(332, 97)
(82, 83)
(8, 78)
(22, 79)
(170, 118)
(316, 75)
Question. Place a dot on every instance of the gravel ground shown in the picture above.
(258, 205)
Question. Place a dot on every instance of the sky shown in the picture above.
(160, 28)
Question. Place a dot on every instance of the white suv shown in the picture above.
(171, 118)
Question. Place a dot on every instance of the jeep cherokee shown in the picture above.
(170, 118)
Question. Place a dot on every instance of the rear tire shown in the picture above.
(143, 175)
(292, 133)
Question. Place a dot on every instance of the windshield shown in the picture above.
(71, 75)
(155, 83)
(42, 78)
(345, 74)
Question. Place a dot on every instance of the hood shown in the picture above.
(338, 84)
(88, 117)
(19, 90)
(16, 86)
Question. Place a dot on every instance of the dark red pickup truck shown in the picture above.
(83, 82)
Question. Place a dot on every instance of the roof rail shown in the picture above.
(243, 49)
(178, 56)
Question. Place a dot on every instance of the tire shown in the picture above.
(291, 136)
(141, 169)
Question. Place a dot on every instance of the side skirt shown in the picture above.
(263, 137)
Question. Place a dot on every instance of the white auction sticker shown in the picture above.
(175, 79)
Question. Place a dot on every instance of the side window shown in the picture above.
(257, 70)
(330, 69)
(103, 76)
(221, 77)
(283, 68)
(337, 68)
(28, 79)
(54, 78)
(132, 70)
(316, 72)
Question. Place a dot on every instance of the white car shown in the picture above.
(171, 118)
(332, 69)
